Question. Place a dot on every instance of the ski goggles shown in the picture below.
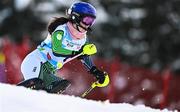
(88, 20)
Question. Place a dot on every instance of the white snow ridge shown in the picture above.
(20, 99)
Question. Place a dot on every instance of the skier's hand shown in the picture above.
(102, 77)
(89, 49)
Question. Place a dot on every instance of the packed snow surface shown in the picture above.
(20, 99)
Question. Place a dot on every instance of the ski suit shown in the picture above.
(51, 55)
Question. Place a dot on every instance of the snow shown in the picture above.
(20, 99)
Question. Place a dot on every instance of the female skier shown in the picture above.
(66, 40)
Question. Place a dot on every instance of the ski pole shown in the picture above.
(96, 84)
(93, 85)
(88, 49)
(69, 59)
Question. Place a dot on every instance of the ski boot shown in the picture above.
(58, 87)
(34, 83)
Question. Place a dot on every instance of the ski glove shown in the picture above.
(86, 50)
(102, 77)
(89, 49)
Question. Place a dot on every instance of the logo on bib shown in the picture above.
(34, 69)
(59, 36)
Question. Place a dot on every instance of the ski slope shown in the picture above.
(20, 99)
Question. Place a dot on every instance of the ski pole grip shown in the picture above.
(106, 82)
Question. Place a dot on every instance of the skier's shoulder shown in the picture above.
(61, 28)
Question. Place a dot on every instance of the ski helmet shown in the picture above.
(82, 12)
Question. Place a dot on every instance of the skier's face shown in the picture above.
(85, 23)
(74, 32)
(83, 28)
